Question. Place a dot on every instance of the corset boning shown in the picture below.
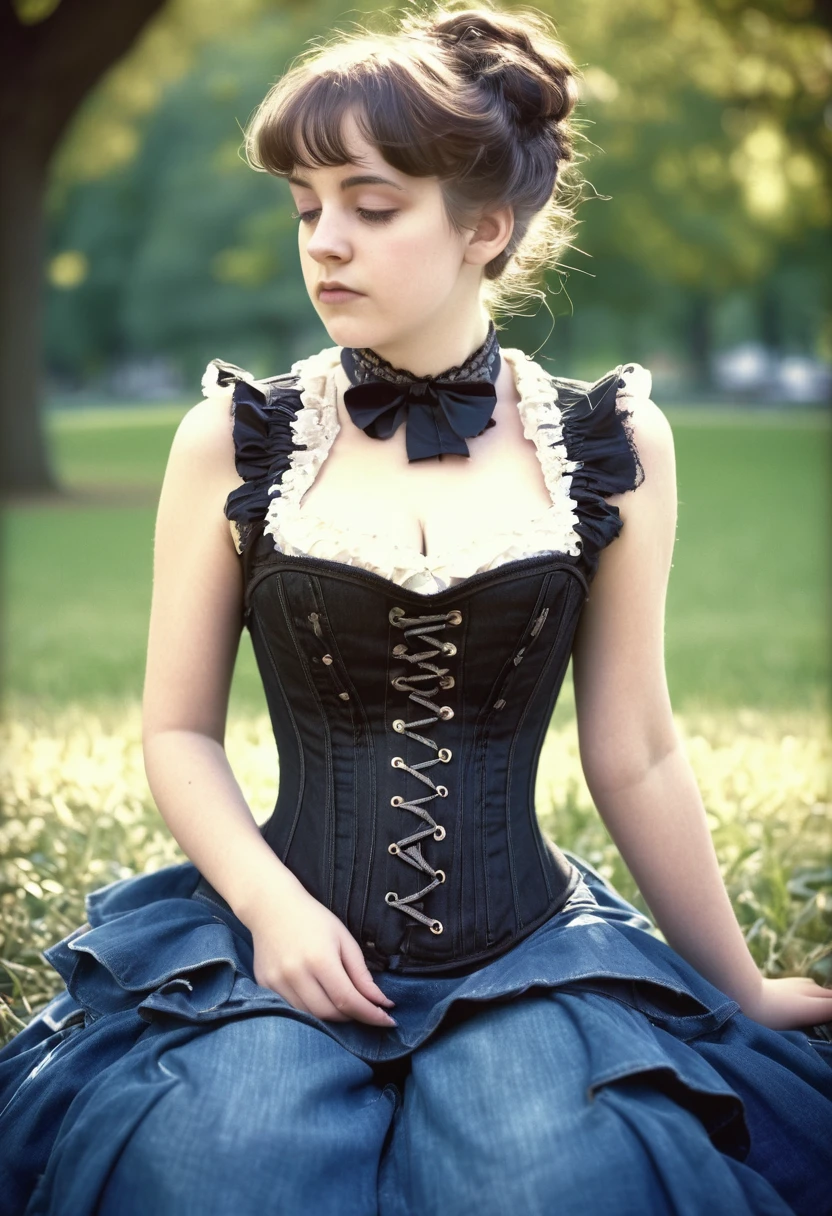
(409, 730)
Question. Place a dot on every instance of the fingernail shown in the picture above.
(391, 1021)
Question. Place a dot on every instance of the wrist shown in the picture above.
(747, 991)
(256, 880)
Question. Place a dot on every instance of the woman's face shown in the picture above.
(391, 242)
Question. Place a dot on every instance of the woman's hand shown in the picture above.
(791, 1003)
(306, 954)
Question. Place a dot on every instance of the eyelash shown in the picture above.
(372, 217)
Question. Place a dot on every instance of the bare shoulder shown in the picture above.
(652, 434)
(204, 439)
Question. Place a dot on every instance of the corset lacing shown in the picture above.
(409, 848)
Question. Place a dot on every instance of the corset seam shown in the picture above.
(484, 729)
(301, 755)
(329, 811)
(530, 800)
(518, 916)
(342, 679)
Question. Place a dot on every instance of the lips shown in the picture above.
(326, 287)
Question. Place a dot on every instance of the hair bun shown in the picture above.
(515, 55)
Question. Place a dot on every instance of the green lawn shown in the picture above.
(748, 606)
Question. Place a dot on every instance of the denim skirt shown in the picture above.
(588, 1071)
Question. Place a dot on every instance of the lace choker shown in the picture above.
(441, 411)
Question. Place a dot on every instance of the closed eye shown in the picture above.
(371, 217)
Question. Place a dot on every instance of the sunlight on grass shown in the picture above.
(79, 815)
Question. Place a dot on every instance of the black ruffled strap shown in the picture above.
(598, 435)
(262, 417)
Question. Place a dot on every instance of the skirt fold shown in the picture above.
(159, 966)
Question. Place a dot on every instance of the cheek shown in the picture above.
(421, 253)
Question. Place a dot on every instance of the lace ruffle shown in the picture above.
(262, 442)
(580, 431)
(599, 439)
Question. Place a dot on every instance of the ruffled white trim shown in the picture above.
(315, 426)
(211, 386)
(542, 423)
(638, 381)
(298, 532)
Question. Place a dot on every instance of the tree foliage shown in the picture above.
(706, 159)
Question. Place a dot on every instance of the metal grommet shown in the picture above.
(454, 617)
(444, 754)
(437, 873)
(398, 725)
(445, 712)
(446, 682)
(499, 704)
(442, 791)
(449, 648)
(439, 828)
(436, 926)
(397, 762)
(393, 848)
(326, 658)
(390, 897)
(345, 696)
(396, 800)
(399, 649)
(394, 614)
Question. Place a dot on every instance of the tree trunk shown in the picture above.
(24, 460)
(46, 71)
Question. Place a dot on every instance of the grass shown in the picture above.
(748, 659)
(80, 815)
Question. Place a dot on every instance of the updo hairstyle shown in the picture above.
(480, 99)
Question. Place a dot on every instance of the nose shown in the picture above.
(328, 239)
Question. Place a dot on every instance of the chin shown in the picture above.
(349, 331)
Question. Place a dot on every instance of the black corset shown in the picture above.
(408, 726)
(409, 732)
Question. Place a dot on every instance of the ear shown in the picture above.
(490, 236)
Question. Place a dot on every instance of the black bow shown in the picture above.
(441, 414)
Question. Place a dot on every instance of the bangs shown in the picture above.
(304, 128)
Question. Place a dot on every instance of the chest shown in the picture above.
(435, 506)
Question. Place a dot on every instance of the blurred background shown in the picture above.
(136, 245)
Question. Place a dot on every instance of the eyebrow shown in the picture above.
(359, 179)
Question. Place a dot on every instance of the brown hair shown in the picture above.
(479, 98)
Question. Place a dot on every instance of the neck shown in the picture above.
(431, 351)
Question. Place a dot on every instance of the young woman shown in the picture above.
(398, 996)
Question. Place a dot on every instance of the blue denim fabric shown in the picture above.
(588, 1070)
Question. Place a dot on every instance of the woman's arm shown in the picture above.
(301, 949)
(633, 759)
(195, 626)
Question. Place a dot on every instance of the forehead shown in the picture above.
(365, 166)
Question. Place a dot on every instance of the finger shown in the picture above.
(316, 1000)
(360, 974)
(810, 987)
(347, 998)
